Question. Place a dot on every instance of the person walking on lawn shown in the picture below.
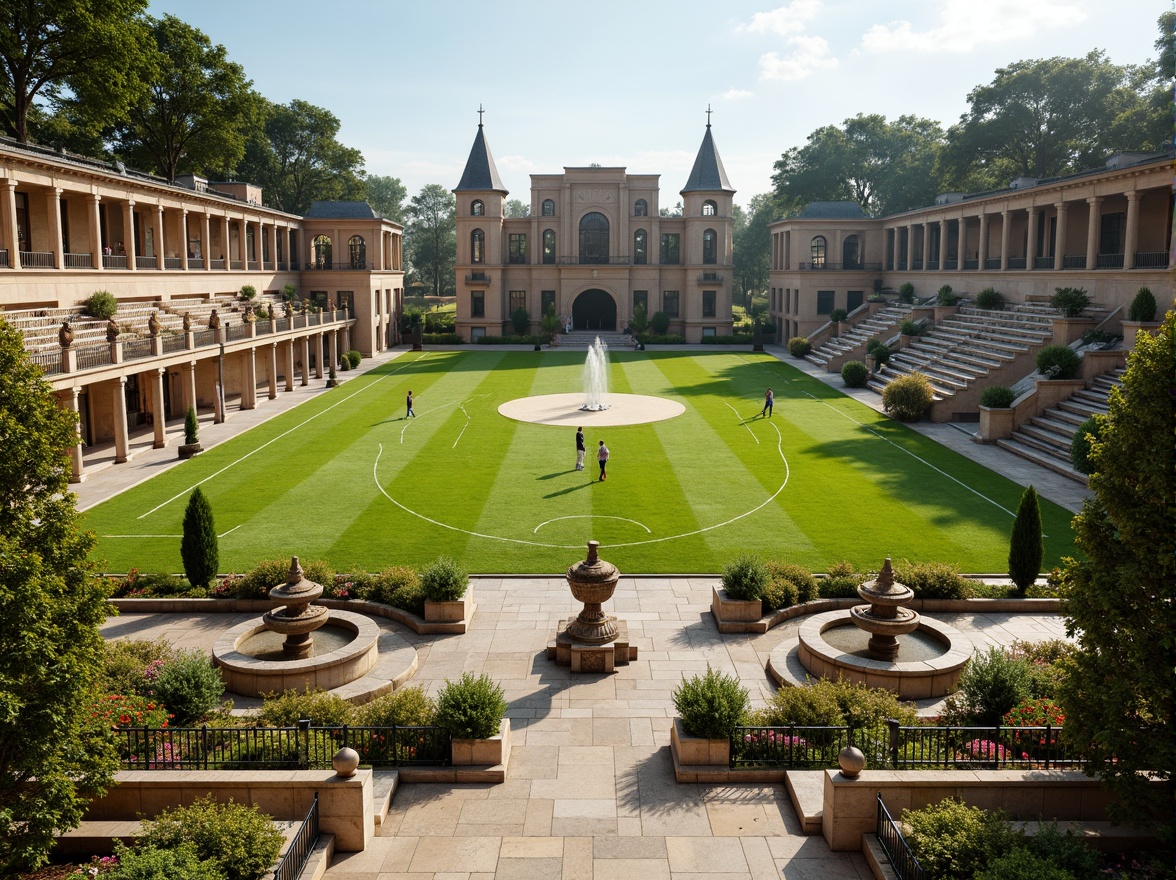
(602, 458)
(580, 449)
(769, 400)
(408, 403)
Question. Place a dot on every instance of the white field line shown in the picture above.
(177, 537)
(744, 423)
(593, 516)
(300, 425)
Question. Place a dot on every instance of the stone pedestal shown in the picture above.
(605, 657)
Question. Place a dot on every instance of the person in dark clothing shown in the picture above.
(769, 400)
(408, 403)
(602, 458)
(580, 450)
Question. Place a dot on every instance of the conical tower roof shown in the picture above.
(708, 173)
(480, 173)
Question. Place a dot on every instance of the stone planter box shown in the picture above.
(187, 450)
(451, 612)
(697, 751)
(1130, 328)
(487, 752)
(737, 615)
(996, 423)
(1066, 330)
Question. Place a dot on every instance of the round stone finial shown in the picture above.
(852, 762)
(346, 761)
(593, 552)
(295, 574)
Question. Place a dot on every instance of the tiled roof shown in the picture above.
(708, 173)
(831, 211)
(341, 211)
(480, 173)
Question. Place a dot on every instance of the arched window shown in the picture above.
(710, 246)
(594, 238)
(709, 208)
(357, 251)
(818, 252)
(851, 256)
(641, 208)
(477, 246)
(548, 208)
(322, 252)
(477, 209)
(640, 247)
(549, 246)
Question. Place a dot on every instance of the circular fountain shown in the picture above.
(596, 377)
(880, 644)
(298, 619)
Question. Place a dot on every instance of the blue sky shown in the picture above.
(628, 83)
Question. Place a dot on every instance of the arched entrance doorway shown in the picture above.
(594, 310)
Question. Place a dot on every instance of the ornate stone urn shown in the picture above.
(153, 324)
(65, 334)
(592, 582)
(112, 330)
(298, 619)
(187, 321)
(214, 321)
(884, 617)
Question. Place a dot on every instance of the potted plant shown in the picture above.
(448, 598)
(837, 316)
(996, 414)
(740, 598)
(473, 710)
(709, 707)
(191, 445)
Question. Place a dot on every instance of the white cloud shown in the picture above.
(735, 94)
(966, 24)
(807, 54)
(783, 21)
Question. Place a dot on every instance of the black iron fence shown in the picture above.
(898, 852)
(278, 748)
(301, 846)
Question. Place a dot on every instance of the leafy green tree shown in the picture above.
(198, 111)
(386, 195)
(50, 760)
(198, 547)
(431, 237)
(883, 166)
(1119, 695)
(1026, 548)
(296, 158)
(752, 245)
(78, 51)
(517, 208)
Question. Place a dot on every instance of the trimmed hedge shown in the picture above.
(854, 374)
(1058, 362)
(799, 346)
(908, 398)
(997, 397)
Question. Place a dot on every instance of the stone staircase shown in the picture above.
(973, 344)
(851, 344)
(585, 338)
(1046, 439)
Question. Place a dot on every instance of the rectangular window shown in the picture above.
(477, 333)
(518, 247)
(670, 303)
(824, 302)
(518, 300)
(641, 298)
(670, 247)
(22, 222)
(1112, 228)
(708, 331)
(478, 304)
(854, 299)
(708, 303)
(547, 301)
(64, 228)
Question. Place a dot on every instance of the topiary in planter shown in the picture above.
(1143, 307)
(906, 292)
(990, 298)
(908, 398)
(100, 304)
(248, 291)
(1058, 362)
(191, 426)
(854, 374)
(910, 328)
(710, 705)
(471, 708)
(444, 580)
(997, 397)
(355, 357)
(746, 577)
(945, 297)
(838, 315)
(1070, 301)
(1083, 443)
(799, 346)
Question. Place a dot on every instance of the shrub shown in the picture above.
(355, 357)
(854, 374)
(640, 320)
(908, 398)
(520, 319)
(405, 707)
(990, 298)
(1026, 547)
(154, 863)
(945, 297)
(198, 546)
(189, 686)
(906, 292)
(1064, 851)
(841, 581)
(997, 397)
(128, 710)
(240, 839)
(991, 685)
(799, 346)
(911, 328)
(1083, 444)
(442, 339)
(248, 291)
(322, 708)
(191, 427)
(952, 840)
(877, 285)
(344, 362)
(881, 355)
(874, 343)
(400, 587)
(271, 572)
(129, 666)
(746, 577)
(289, 292)
(838, 315)
(1047, 664)
(659, 323)
(710, 705)
(800, 577)
(1021, 864)
(779, 594)
(444, 580)
(471, 708)
(933, 580)
(1143, 307)
(1058, 362)
(1070, 301)
(835, 704)
(100, 304)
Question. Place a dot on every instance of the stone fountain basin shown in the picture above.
(252, 677)
(909, 679)
(295, 624)
(905, 622)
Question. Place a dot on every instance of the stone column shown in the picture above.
(184, 239)
(129, 235)
(77, 466)
(53, 205)
(244, 243)
(1131, 238)
(982, 248)
(96, 232)
(228, 253)
(333, 345)
(305, 346)
(272, 370)
(249, 379)
(347, 337)
(290, 365)
(318, 355)
(894, 247)
(11, 231)
(1031, 244)
(158, 414)
(961, 241)
(941, 251)
(273, 232)
(1004, 240)
(121, 435)
(160, 238)
(926, 244)
(1093, 221)
(189, 372)
(206, 242)
(1060, 237)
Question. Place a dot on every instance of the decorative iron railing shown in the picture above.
(202, 338)
(1074, 261)
(1106, 261)
(79, 261)
(49, 361)
(933, 265)
(195, 263)
(93, 356)
(173, 262)
(145, 263)
(174, 342)
(992, 263)
(298, 853)
(136, 349)
(826, 266)
(4, 257)
(115, 261)
(971, 264)
(36, 259)
(1016, 262)
(898, 851)
(216, 264)
(1151, 260)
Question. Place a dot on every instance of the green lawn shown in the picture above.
(344, 478)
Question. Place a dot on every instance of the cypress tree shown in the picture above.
(1026, 549)
(198, 547)
(191, 426)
